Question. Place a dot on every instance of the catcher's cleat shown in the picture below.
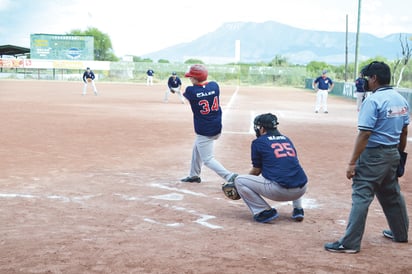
(193, 179)
(266, 215)
(298, 214)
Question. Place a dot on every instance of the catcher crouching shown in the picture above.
(276, 173)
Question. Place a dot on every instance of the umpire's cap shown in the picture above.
(380, 69)
(199, 72)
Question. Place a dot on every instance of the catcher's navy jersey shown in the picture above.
(207, 114)
(278, 160)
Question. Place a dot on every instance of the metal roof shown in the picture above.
(13, 50)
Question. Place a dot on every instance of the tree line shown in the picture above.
(401, 71)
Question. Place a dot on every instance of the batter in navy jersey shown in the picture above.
(276, 173)
(323, 85)
(207, 119)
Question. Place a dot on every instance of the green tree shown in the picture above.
(163, 61)
(103, 50)
(193, 61)
(401, 62)
(138, 59)
(314, 68)
(279, 61)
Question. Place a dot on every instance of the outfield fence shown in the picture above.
(236, 74)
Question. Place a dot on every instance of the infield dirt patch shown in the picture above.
(90, 184)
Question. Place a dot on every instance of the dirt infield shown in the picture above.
(90, 184)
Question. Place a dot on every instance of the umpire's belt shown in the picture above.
(384, 146)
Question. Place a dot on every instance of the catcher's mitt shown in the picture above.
(229, 189)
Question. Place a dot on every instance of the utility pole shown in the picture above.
(357, 40)
(346, 51)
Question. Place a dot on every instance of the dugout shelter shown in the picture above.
(12, 50)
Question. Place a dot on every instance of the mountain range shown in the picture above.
(261, 42)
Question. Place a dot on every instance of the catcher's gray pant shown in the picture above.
(85, 87)
(375, 173)
(176, 90)
(251, 188)
(202, 153)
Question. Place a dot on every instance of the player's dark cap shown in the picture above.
(173, 73)
(324, 71)
(87, 68)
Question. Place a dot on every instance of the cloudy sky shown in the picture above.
(141, 27)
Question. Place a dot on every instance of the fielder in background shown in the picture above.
(88, 77)
(360, 90)
(322, 85)
(150, 74)
(207, 119)
(276, 173)
(174, 85)
(373, 167)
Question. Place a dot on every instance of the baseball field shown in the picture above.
(91, 184)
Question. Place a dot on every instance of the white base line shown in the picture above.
(230, 103)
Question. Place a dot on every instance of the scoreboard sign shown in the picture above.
(61, 47)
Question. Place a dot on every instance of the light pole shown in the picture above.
(357, 40)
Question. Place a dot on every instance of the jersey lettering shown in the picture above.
(283, 150)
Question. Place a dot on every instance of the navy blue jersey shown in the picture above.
(276, 156)
(359, 83)
(88, 75)
(150, 72)
(174, 82)
(323, 83)
(207, 114)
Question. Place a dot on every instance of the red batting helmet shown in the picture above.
(199, 72)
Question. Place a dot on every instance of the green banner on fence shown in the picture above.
(61, 47)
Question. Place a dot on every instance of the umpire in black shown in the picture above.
(383, 128)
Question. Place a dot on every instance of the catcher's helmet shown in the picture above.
(268, 120)
(199, 72)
